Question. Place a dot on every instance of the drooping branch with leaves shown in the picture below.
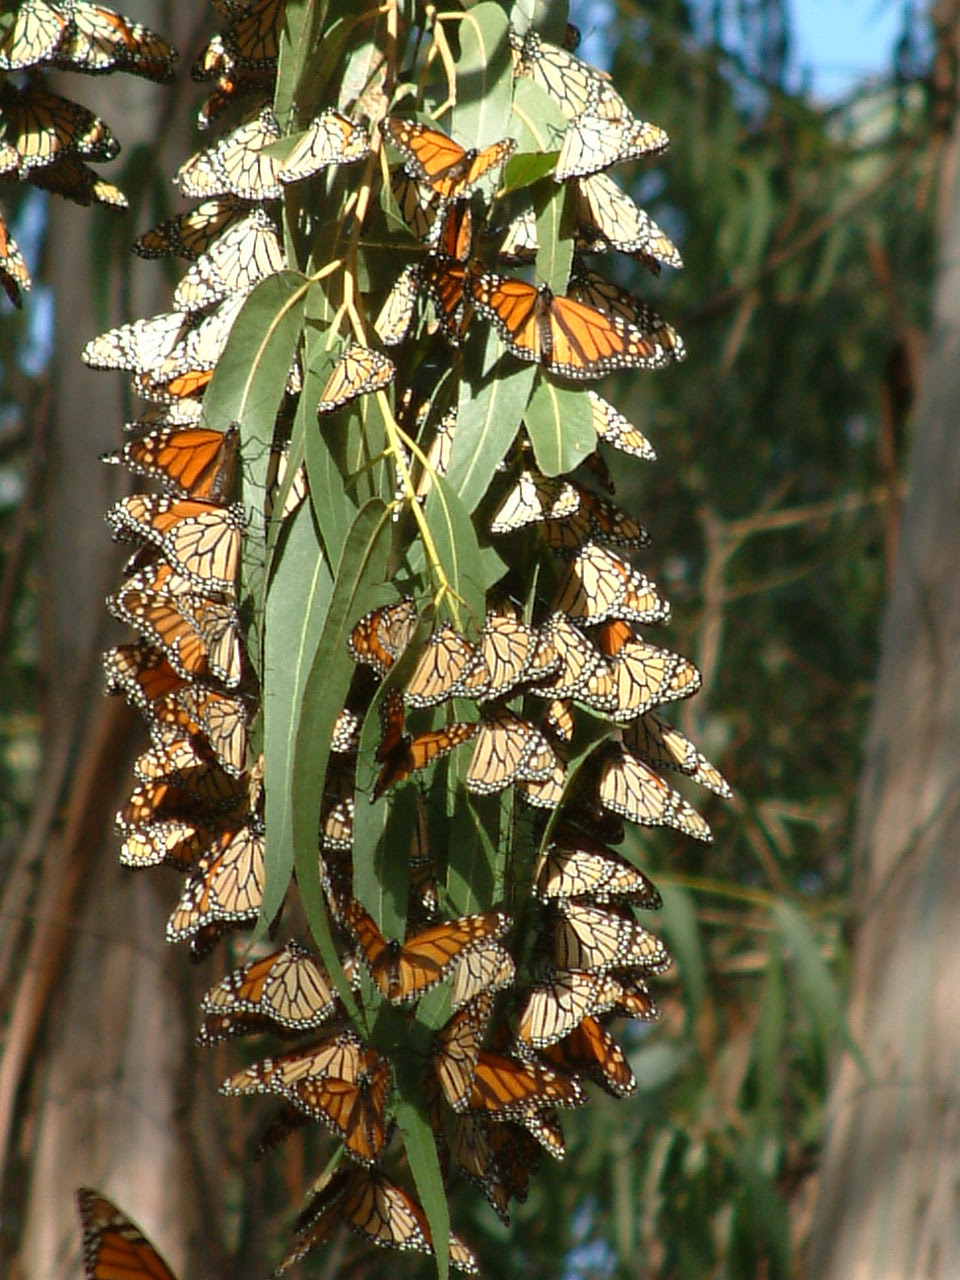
(394, 657)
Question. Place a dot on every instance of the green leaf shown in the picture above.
(421, 1152)
(538, 123)
(333, 507)
(360, 573)
(484, 77)
(523, 170)
(490, 412)
(559, 423)
(458, 551)
(818, 990)
(247, 387)
(680, 929)
(297, 605)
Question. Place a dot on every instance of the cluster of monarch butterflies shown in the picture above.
(46, 139)
(550, 696)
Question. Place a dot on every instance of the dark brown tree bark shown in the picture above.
(888, 1196)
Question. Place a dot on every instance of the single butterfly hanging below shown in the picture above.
(114, 1248)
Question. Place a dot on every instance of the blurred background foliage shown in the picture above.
(808, 236)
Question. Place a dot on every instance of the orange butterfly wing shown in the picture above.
(114, 1248)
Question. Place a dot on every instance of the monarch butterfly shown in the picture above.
(184, 413)
(583, 674)
(176, 842)
(237, 260)
(507, 749)
(14, 275)
(608, 219)
(276, 473)
(141, 673)
(631, 788)
(585, 869)
(595, 939)
(644, 676)
(440, 162)
(665, 747)
(211, 794)
(517, 1154)
(330, 139)
(487, 967)
(339, 1082)
(445, 282)
(199, 539)
(71, 178)
(438, 454)
(612, 426)
(556, 1006)
(472, 1153)
(447, 661)
(381, 635)
(175, 761)
(359, 371)
(417, 203)
(512, 652)
(404, 971)
(635, 1001)
(236, 165)
(137, 346)
(560, 719)
(114, 1248)
(199, 637)
(233, 85)
(592, 1050)
(345, 737)
(566, 336)
(251, 38)
(201, 348)
(222, 719)
(521, 242)
(197, 462)
(212, 61)
(544, 793)
(287, 989)
(336, 815)
(190, 234)
(594, 141)
(534, 498)
(573, 86)
(400, 754)
(599, 584)
(453, 236)
(43, 127)
(382, 1213)
(147, 571)
(595, 519)
(507, 1089)
(595, 291)
(396, 315)
(225, 888)
(34, 32)
(97, 40)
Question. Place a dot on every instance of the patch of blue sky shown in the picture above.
(833, 47)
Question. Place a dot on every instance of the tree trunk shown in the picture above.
(888, 1203)
(96, 1081)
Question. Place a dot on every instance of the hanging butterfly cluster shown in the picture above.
(46, 139)
(499, 716)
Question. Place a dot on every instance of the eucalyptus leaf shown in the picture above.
(559, 423)
(490, 411)
(484, 76)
